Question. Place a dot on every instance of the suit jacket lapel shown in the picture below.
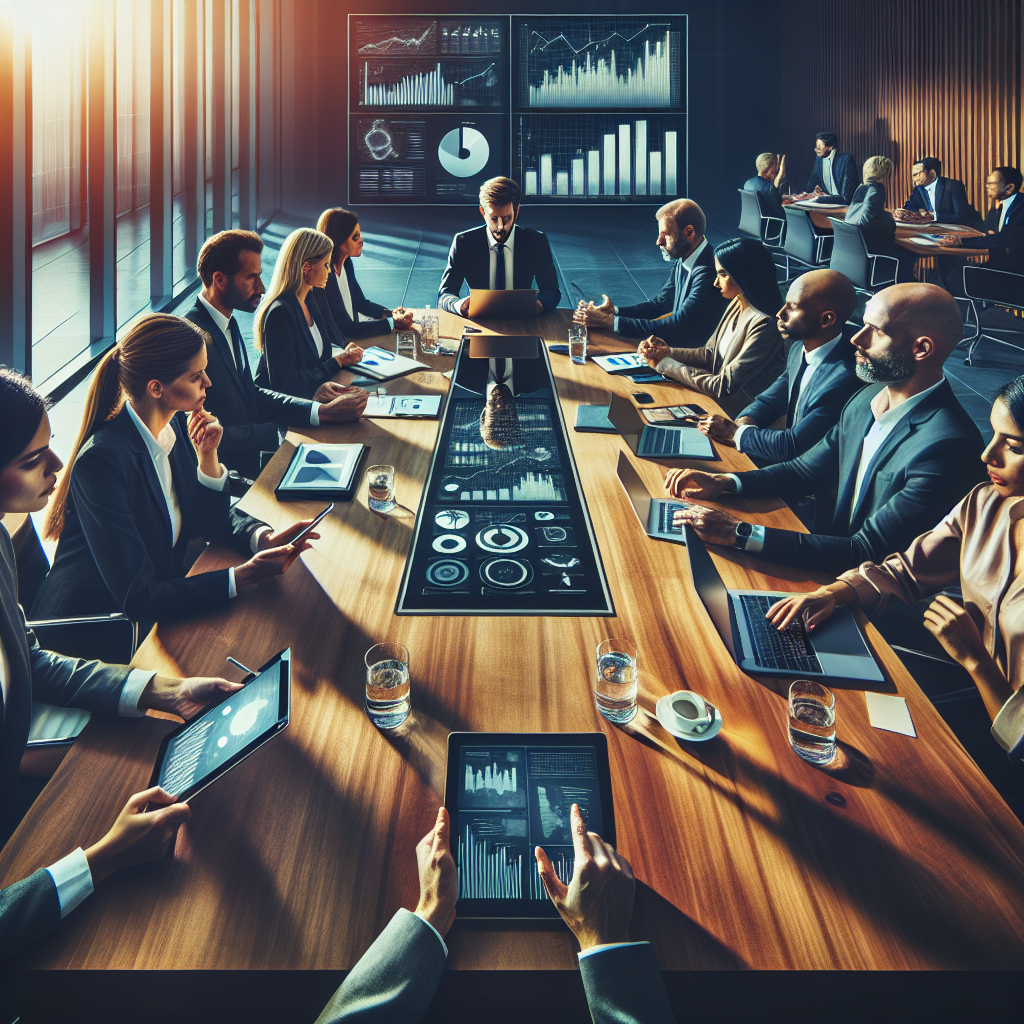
(849, 460)
(303, 326)
(939, 190)
(223, 347)
(796, 359)
(888, 446)
(134, 441)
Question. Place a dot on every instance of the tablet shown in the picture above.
(509, 792)
(202, 750)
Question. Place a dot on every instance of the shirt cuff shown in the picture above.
(755, 542)
(131, 693)
(608, 945)
(615, 322)
(232, 589)
(215, 483)
(737, 438)
(1008, 725)
(435, 931)
(254, 539)
(734, 477)
(73, 879)
(314, 414)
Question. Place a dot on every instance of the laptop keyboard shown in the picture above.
(661, 442)
(668, 510)
(790, 649)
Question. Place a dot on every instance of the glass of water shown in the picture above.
(615, 689)
(812, 721)
(578, 342)
(387, 684)
(405, 344)
(428, 335)
(381, 483)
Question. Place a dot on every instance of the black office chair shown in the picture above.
(850, 256)
(769, 230)
(805, 245)
(984, 287)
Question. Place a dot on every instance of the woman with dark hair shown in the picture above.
(979, 547)
(34, 905)
(746, 353)
(342, 293)
(142, 482)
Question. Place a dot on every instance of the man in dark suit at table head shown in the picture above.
(499, 254)
(935, 197)
(818, 380)
(689, 306)
(230, 267)
(834, 173)
(771, 172)
(902, 454)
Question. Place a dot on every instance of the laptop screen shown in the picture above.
(710, 587)
(636, 490)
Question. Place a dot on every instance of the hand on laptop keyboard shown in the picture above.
(712, 525)
(809, 609)
(695, 483)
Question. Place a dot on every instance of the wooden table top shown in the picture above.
(899, 856)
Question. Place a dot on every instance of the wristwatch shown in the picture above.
(743, 532)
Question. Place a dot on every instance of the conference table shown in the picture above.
(900, 856)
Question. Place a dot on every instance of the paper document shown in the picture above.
(402, 405)
(380, 364)
(890, 713)
(624, 362)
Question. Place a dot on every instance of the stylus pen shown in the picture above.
(238, 664)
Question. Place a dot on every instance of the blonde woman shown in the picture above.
(293, 335)
(867, 211)
(142, 482)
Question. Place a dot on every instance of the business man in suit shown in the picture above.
(819, 378)
(936, 198)
(1004, 226)
(230, 267)
(687, 309)
(771, 172)
(499, 254)
(834, 173)
(903, 453)
(395, 979)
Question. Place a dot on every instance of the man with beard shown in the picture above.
(499, 254)
(902, 454)
(230, 266)
(688, 307)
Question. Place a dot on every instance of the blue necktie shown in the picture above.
(499, 267)
(928, 202)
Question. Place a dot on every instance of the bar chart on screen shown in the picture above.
(562, 861)
(491, 854)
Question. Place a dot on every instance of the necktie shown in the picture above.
(684, 276)
(500, 370)
(237, 348)
(928, 201)
(794, 398)
(499, 267)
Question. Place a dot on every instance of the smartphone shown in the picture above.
(313, 525)
(642, 398)
(695, 410)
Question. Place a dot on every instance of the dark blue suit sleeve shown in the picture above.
(696, 319)
(624, 986)
(28, 910)
(544, 273)
(452, 280)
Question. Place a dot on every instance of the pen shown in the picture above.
(238, 664)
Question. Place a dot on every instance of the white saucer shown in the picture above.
(667, 717)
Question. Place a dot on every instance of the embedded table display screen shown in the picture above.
(503, 527)
(204, 749)
(507, 793)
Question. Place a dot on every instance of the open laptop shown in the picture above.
(838, 649)
(655, 514)
(507, 302)
(650, 442)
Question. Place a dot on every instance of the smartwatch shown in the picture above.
(743, 532)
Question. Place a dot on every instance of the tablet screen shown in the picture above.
(206, 747)
(512, 796)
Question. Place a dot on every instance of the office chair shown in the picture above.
(986, 287)
(803, 244)
(850, 256)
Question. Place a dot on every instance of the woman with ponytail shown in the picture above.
(293, 332)
(142, 482)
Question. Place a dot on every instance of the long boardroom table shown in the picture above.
(898, 857)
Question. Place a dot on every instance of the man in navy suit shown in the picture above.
(499, 254)
(834, 173)
(230, 267)
(818, 380)
(935, 197)
(689, 306)
(903, 453)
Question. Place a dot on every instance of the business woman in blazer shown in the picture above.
(294, 331)
(877, 225)
(344, 297)
(142, 483)
(34, 905)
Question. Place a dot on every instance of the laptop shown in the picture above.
(838, 649)
(507, 302)
(655, 514)
(650, 442)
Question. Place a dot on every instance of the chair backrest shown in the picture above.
(850, 254)
(800, 237)
(999, 286)
(750, 214)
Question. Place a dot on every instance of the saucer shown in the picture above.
(667, 717)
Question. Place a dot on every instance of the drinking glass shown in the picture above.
(405, 344)
(615, 689)
(428, 335)
(381, 483)
(578, 342)
(387, 684)
(812, 721)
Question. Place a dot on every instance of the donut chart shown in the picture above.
(449, 543)
(500, 539)
(447, 572)
(464, 152)
(507, 573)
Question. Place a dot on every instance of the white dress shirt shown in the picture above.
(318, 338)
(1005, 209)
(688, 265)
(814, 360)
(224, 325)
(492, 256)
(826, 174)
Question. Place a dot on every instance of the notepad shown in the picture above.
(416, 406)
(379, 364)
(890, 713)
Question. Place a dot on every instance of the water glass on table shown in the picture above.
(428, 335)
(387, 684)
(405, 344)
(812, 721)
(615, 689)
(578, 342)
(381, 485)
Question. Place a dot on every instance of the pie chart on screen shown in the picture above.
(463, 152)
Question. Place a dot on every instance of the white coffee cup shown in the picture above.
(690, 712)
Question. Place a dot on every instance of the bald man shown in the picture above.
(902, 454)
(688, 307)
(818, 380)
